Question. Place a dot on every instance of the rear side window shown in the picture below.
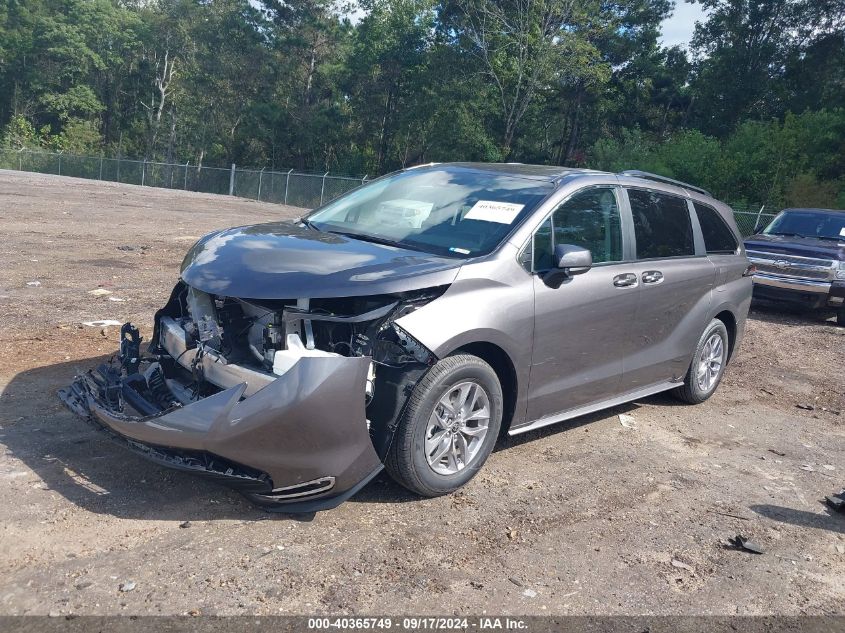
(662, 225)
(718, 238)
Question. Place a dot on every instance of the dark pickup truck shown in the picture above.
(800, 260)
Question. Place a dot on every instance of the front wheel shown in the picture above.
(708, 365)
(448, 428)
(840, 316)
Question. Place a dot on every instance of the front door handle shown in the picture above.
(625, 280)
(652, 277)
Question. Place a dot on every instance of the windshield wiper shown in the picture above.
(375, 239)
(785, 234)
(838, 238)
(308, 223)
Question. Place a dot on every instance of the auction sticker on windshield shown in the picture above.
(492, 211)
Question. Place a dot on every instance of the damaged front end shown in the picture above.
(292, 402)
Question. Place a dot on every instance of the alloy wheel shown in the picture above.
(710, 364)
(457, 427)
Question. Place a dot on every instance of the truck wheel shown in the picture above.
(708, 365)
(449, 427)
(840, 316)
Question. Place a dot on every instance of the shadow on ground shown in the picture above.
(89, 470)
(819, 520)
(786, 314)
(72, 458)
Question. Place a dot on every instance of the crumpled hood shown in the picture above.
(800, 246)
(284, 260)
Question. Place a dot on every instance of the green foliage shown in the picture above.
(76, 101)
(797, 162)
(754, 112)
(78, 136)
(19, 134)
(805, 190)
(629, 151)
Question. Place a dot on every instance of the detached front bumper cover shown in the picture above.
(298, 444)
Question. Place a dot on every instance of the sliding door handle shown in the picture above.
(625, 280)
(652, 277)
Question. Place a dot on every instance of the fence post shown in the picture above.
(186, 175)
(323, 187)
(143, 172)
(759, 213)
(287, 182)
(60, 163)
(232, 181)
(101, 167)
(20, 159)
(260, 175)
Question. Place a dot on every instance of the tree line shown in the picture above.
(754, 109)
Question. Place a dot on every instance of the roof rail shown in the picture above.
(669, 181)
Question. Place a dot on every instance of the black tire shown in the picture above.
(406, 459)
(691, 392)
(840, 316)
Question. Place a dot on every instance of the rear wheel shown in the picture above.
(708, 365)
(840, 316)
(448, 428)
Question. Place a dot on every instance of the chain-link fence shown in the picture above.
(296, 188)
(748, 219)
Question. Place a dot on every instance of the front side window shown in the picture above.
(718, 238)
(589, 219)
(450, 210)
(544, 246)
(662, 225)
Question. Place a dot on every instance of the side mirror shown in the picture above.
(569, 261)
(572, 260)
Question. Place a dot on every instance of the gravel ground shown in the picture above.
(587, 517)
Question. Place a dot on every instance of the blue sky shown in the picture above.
(678, 28)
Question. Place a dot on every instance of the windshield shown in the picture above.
(454, 211)
(809, 223)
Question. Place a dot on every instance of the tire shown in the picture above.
(407, 460)
(840, 316)
(694, 390)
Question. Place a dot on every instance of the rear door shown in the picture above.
(580, 331)
(676, 280)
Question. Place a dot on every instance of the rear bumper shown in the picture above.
(809, 293)
(298, 442)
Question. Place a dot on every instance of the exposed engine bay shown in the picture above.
(222, 341)
(270, 335)
(294, 366)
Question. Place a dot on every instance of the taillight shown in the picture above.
(750, 270)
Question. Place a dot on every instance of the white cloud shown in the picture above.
(679, 27)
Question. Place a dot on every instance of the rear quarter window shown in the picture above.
(718, 237)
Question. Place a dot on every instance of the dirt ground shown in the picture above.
(588, 517)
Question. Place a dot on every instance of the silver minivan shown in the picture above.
(408, 323)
